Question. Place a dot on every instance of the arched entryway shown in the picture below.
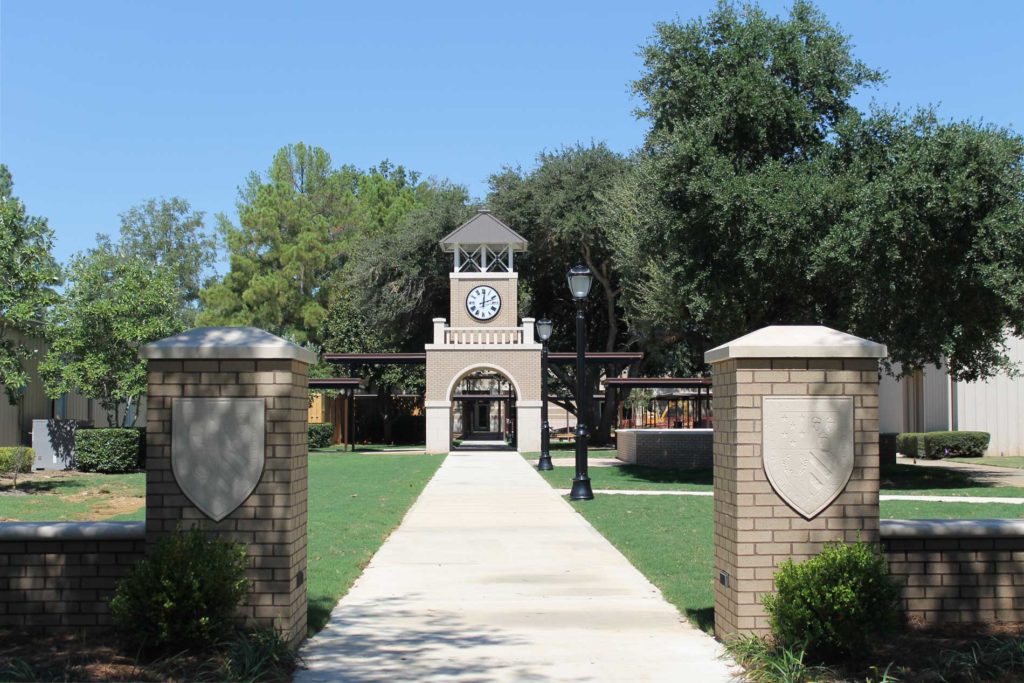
(483, 408)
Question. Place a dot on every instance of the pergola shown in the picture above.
(701, 384)
(344, 421)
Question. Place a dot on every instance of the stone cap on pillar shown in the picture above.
(796, 341)
(214, 343)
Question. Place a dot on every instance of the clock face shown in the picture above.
(483, 302)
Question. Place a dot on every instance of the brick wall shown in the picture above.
(506, 284)
(522, 366)
(272, 520)
(687, 449)
(63, 574)
(958, 571)
(755, 530)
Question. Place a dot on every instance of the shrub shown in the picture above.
(832, 603)
(16, 460)
(109, 451)
(910, 444)
(955, 444)
(183, 594)
(320, 434)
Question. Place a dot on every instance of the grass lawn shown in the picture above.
(937, 481)
(896, 479)
(1014, 461)
(355, 501)
(909, 509)
(670, 539)
(635, 477)
(73, 496)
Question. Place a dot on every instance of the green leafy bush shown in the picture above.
(183, 594)
(832, 603)
(16, 459)
(320, 434)
(955, 444)
(910, 444)
(110, 451)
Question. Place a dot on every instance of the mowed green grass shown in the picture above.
(635, 477)
(355, 502)
(896, 479)
(938, 481)
(73, 496)
(670, 539)
(1014, 461)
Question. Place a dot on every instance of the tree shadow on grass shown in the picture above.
(46, 486)
(703, 618)
(657, 475)
(913, 477)
(318, 613)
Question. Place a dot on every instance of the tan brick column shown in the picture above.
(796, 423)
(236, 464)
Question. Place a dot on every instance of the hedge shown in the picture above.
(109, 451)
(939, 445)
(320, 434)
(7, 456)
(910, 444)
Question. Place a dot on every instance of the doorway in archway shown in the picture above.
(483, 411)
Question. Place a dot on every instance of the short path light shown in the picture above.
(580, 279)
(544, 328)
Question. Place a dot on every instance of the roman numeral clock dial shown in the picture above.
(483, 302)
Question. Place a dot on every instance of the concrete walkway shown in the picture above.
(492, 576)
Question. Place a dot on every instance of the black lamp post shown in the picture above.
(580, 278)
(544, 327)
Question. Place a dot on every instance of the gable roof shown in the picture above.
(483, 228)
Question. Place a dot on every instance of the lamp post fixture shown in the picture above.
(544, 327)
(580, 279)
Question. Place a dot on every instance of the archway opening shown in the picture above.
(483, 413)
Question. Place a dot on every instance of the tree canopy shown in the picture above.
(28, 275)
(763, 196)
(112, 306)
(296, 227)
(168, 233)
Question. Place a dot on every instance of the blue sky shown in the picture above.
(104, 104)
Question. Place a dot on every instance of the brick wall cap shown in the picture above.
(215, 343)
(951, 528)
(72, 531)
(796, 341)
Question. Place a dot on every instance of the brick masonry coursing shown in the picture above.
(62, 583)
(272, 520)
(685, 449)
(755, 530)
(959, 580)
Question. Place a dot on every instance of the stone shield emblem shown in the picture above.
(217, 451)
(808, 449)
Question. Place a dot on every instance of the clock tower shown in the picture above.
(484, 335)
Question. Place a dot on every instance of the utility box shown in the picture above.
(54, 443)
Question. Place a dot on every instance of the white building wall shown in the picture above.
(995, 406)
(890, 405)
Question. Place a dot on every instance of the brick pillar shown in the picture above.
(226, 452)
(795, 414)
